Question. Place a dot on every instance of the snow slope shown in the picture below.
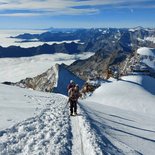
(147, 56)
(146, 51)
(15, 69)
(101, 128)
(49, 132)
(46, 132)
(63, 78)
(122, 113)
(120, 132)
(17, 104)
(134, 93)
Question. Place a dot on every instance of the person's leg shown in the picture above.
(71, 107)
(75, 107)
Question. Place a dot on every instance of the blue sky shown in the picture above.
(23, 14)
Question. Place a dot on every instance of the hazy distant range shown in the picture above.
(6, 41)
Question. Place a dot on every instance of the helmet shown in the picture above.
(71, 81)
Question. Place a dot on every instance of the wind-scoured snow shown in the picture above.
(120, 132)
(122, 115)
(133, 93)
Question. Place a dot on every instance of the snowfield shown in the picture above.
(49, 131)
(134, 93)
(46, 132)
(147, 56)
(146, 51)
(118, 119)
(123, 114)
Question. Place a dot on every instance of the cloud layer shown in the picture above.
(66, 7)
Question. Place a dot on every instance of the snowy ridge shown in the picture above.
(63, 79)
(54, 79)
(84, 136)
(55, 69)
(152, 39)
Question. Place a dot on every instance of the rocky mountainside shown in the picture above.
(114, 48)
(141, 61)
(90, 40)
(17, 51)
(96, 65)
(54, 79)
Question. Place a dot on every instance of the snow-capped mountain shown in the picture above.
(142, 61)
(147, 57)
(54, 79)
(117, 119)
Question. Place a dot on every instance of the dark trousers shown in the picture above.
(73, 106)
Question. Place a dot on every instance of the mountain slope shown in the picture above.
(122, 114)
(97, 64)
(54, 79)
(147, 56)
(45, 132)
(98, 128)
(91, 40)
(17, 51)
(134, 93)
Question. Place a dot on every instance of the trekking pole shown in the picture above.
(66, 104)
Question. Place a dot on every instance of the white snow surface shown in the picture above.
(147, 56)
(152, 39)
(63, 78)
(146, 51)
(132, 93)
(15, 69)
(38, 123)
(45, 128)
